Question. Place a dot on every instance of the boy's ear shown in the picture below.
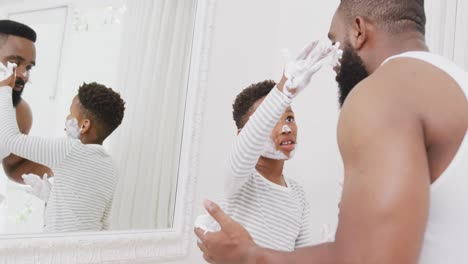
(85, 126)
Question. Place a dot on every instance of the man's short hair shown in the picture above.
(103, 106)
(247, 98)
(13, 28)
(395, 16)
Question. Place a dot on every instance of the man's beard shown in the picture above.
(17, 94)
(352, 72)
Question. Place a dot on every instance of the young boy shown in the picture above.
(272, 207)
(84, 175)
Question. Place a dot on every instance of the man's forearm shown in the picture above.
(15, 167)
(320, 254)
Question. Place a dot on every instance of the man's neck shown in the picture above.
(271, 170)
(394, 45)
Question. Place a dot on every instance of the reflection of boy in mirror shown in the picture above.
(17, 46)
(272, 207)
(85, 177)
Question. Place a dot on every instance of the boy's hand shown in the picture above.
(7, 75)
(39, 187)
(299, 71)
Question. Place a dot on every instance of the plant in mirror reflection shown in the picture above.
(97, 18)
(22, 215)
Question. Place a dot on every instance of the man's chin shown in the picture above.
(337, 69)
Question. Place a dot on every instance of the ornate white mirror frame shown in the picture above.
(141, 246)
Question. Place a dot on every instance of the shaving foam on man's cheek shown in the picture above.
(337, 54)
(27, 75)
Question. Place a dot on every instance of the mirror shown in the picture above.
(142, 49)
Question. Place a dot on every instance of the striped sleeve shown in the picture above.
(48, 152)
(105, 216)
(250, 142)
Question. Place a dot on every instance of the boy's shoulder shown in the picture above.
(296, 187)
(96, 149)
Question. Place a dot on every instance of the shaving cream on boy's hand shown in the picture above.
(6, 71)
(39, 187)
(207, 223)
(299, 71)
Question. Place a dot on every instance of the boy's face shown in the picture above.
(284, 134)
(75, 109)
(75, 113)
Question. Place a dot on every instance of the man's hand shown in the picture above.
(39, 187)
(232, 244)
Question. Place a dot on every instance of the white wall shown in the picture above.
(447, 32)
(247, 39)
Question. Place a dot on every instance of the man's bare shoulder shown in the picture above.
(24, 116)
(400, 83)
(386, 101)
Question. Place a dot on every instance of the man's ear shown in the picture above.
(359, 32)
(85, 126)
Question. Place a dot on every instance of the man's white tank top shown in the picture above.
(446, 237)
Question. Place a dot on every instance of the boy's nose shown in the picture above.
(286, 129)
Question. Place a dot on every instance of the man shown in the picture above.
(402, 137)
(17, 46)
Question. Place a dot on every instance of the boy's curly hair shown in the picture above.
(102, 105)
(247, 98)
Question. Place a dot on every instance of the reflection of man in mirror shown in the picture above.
(403, 138)
(17, 46)
(85, 176)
